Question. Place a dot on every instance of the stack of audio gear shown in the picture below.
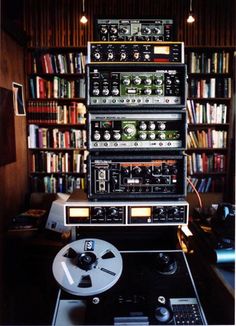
(136, 177)
(136, 96)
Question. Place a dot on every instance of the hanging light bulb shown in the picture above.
(83, 19)
(190, 18)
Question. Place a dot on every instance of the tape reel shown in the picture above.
(87, 267)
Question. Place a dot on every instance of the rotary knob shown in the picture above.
(105, 91)
(125, 171)
(107, 135)
(124, 30)
(113, 30)
(147, 91)
(158, 91)
(174, 211)
(95, 91)
(136, 55)
(137, 80)
(97, 135)
(129, 130)
(123, 56)
(147, 56)
(113, 211)
(148, 171)
(156, 30)
(146, 30)
(97, 56)
(115, 91)
(177, 81)
(158, 81)
(98, 211)
(160, 212)
(147, 81)
(103, 30)
(126, 81)
(151, 125)
(143, 125)
(168, 81)
(142, 135)
(162, 314)
(110, 56)
(137, 170)
(117, 136)
(161, 126)
(151, 135)
(161, 135)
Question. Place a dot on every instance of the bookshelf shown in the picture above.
(56, 118)
(210, 117)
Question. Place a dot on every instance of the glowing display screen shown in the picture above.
(78, 212)
(140, 211)
(161, 50)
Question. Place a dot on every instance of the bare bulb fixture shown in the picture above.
(190, 18)
(83, 19)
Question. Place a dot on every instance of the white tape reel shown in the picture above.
(87, 267)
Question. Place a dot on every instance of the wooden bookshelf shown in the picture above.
(56, 118)
(210, 112)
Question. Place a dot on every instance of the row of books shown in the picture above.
(53, 112)
(205, 163)
(56, 87)
(216, 62)
(51, 162)
(209, 138)
(206, 112)
(54, 184)
(207, 184)
(41, 137)
(57, 63)
(210, 87)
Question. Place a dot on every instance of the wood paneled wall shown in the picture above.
(13, 176)
(56, 22)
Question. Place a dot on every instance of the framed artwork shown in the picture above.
(18, 99)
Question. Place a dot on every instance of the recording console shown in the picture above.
(104, 286)
(79, 211)
(157, 52)
(135, 131)
(144, 85)
(139, 176)
(133, 29)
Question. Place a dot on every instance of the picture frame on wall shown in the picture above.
(18, 99)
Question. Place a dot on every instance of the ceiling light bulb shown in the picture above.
(190, 18)
(83, 19)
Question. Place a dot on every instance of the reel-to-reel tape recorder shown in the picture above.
(108, 287)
